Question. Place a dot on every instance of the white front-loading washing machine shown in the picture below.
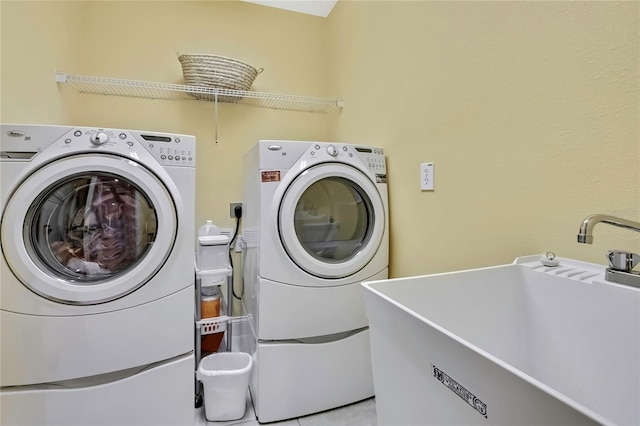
(97, 291)
(315, 225)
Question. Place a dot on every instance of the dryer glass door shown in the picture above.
(331, 220)
(91, 228)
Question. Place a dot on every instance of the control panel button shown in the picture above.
(332, 150)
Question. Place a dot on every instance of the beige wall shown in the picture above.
(36, 38)
(138, 40)
(528, 109)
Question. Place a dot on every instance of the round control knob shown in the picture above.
(99, 138)
(332, 150)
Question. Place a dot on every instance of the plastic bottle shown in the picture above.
(210, 302)
(208, 229)
(210, 308)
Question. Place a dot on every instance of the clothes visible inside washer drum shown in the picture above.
(109, 225)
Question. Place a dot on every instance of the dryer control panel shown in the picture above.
(282, 155)
(373, 158)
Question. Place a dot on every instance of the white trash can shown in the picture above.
(225, 378)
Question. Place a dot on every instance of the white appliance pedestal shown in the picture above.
(158, 394)
(296, 379)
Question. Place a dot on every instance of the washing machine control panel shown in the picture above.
(91, 138)
(172, 155)
(170, 150)
(167, 149)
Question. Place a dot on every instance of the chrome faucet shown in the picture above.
(621, 262)
(586, 229)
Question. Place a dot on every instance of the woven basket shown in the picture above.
(217, 71)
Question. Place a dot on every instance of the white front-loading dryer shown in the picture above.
(97, 286)
(315, 225)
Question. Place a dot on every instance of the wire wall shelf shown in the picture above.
(152, 90)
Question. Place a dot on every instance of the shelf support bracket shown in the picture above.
(61, 77)
(215, 113)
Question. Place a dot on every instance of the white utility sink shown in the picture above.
(521, 343)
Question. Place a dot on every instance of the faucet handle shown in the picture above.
(621, 260)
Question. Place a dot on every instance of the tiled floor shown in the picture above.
(358, 414)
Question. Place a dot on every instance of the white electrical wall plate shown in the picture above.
(426, 177)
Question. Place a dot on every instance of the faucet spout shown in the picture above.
(586, 228)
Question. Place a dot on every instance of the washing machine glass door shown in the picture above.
(88, 229)
(331, 220)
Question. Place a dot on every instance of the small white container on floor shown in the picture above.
(225, 377)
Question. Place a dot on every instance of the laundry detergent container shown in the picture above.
(213, 252)
(225, 378)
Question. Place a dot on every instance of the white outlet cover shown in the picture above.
(426, 177)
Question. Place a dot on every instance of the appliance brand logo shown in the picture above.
(270, 176)
(460, 390)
